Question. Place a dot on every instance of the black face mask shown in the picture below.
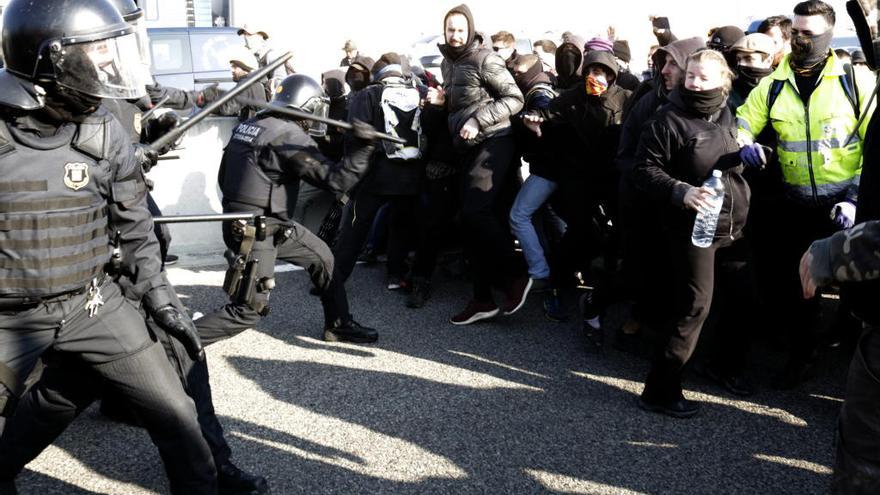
(703, 102)
(749, 77)
(67, 105)
(810, 51)
(357, 79)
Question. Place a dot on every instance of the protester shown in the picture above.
(670, 166)
(480, 97)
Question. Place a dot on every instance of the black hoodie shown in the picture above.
(569, 57)
(455, 52)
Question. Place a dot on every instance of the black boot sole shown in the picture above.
(656, 408)
(332, 337)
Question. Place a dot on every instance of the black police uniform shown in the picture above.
(193, 374)
(65, 190)
(129, 115)
(260, 173)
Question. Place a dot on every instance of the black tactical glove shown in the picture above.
(208, 95)
(155, 92)
(146, 156)
(159, 126)
(180, 326)
(363, 130)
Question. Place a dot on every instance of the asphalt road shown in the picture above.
(512, 406)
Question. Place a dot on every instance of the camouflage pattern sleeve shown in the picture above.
(851, 255)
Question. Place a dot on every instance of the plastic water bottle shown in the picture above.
(707, 219)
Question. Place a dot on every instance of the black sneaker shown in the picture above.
(554, 310)
(233, 481)
(171, 259)
(350, 331)
(679, 408)
(421, 290)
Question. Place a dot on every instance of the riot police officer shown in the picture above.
(261, 170)
(71, 179)
(193, 374)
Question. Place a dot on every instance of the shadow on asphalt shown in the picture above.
(574, 420)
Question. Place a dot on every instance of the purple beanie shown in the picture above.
(599, 45)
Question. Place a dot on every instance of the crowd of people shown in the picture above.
(616, 169)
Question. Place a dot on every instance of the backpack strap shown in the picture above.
(848, 81)
(775, 88)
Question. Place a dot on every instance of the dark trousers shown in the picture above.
(796, 227)
(195, 380)
(487, 239)
(644, 265)
(352, 235)
(857, 466)
(436, 209)
(693, 284)
(116, 346)
(582, 240)
(163, 234)
(300, 248)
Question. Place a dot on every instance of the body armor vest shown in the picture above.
(53, 211)
(250, 172)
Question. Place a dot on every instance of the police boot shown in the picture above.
(233, 481)
(350, 331)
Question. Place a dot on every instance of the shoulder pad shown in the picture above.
(19, 93)
(91, 137)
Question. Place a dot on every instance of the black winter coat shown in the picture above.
(678, 150)
(596, 122)
(478, 85)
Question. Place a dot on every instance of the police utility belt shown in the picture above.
(241, 282)
(93, 288)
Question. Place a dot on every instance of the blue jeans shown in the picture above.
(533, 194)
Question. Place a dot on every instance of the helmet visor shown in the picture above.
(143, 41)
(320, 107)
(107, 68)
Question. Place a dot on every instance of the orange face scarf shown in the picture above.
(596, 86)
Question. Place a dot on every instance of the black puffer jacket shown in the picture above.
(478, 85)
(678, 150)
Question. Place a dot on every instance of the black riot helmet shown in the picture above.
(134, 16)
(301, 92)
(82, 45)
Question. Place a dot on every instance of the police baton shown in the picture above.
(299, 114)
(149, 113)
(219, 217)
(251, 79)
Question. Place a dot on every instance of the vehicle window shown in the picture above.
(170, 54)
(211, 52)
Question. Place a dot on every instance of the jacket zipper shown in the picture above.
(809, 143)
(810, 155)
(727, 191)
